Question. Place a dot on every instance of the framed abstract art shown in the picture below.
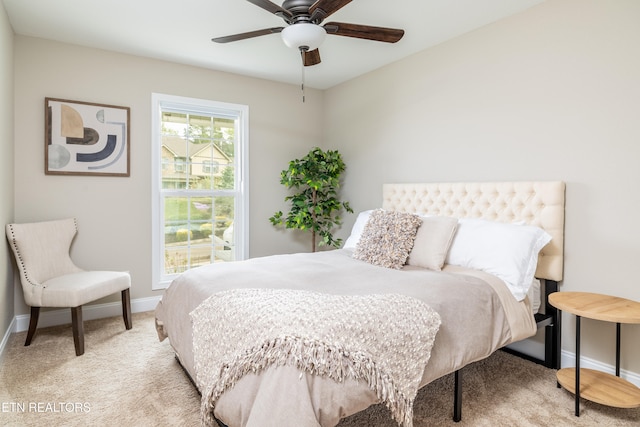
(83, 138)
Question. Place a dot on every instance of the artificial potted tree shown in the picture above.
(315, 206)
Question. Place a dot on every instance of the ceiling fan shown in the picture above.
(304, 31)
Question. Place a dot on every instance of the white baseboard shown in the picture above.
(89, 312)
(20, 323)
(568, 360)
(5, 338)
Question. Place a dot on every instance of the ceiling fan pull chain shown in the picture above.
(302, 86)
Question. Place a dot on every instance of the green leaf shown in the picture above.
(315, 206)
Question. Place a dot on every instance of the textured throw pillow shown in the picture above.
(432, 242)
(387, 238)
(507, 251)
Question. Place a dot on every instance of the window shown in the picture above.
(211, 166)
(180, 164)
(200, 184)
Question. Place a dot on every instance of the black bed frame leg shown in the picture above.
(457, 396)
(553, 333)
(553, 346)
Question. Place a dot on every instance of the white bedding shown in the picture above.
(479, 315)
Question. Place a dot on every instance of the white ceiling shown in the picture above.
(181, 31)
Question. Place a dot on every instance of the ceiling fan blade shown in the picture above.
(250, 34)
(272, 7)
(310, 58)
(323, 8)
(381, 34)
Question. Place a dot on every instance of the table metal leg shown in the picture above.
(617, 349)
(558, 342)
(578, 366)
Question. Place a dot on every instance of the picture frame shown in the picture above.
(85, 138)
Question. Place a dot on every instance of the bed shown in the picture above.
(468, 308)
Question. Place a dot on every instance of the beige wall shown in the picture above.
(6, 168)
(114, 214)
(550, 94)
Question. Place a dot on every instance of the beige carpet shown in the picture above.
(128, 378)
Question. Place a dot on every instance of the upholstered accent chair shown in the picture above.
(50, 278)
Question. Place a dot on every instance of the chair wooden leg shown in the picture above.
(78, 329)
(33, 324)
(126, 309)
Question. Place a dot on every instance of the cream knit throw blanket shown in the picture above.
(384, 340)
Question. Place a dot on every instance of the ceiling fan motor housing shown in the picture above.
(299, 9)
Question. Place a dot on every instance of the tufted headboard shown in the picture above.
(538, 203)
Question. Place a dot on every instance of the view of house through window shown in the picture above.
(201, 188)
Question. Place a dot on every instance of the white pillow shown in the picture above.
(356, 230)
(507, 251)
(432, 242)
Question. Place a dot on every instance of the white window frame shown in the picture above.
(241, 192)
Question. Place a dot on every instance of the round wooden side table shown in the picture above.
(597, 386)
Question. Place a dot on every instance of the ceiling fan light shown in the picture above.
(303, 36)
